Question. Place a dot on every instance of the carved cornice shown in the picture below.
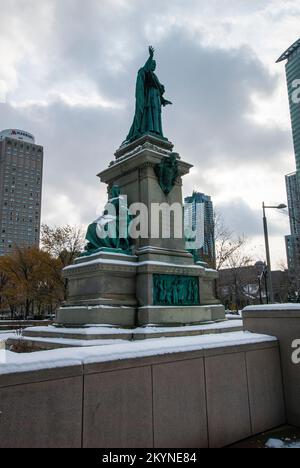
(148, 138)
(85, 270)
(147, 146)
(173, 270)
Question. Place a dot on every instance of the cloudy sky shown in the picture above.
(67, 75)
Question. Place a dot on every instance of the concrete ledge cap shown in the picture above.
(272, 311)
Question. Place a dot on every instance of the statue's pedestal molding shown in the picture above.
(180, 315)
(162, 144)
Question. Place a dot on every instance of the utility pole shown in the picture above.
(269, 272)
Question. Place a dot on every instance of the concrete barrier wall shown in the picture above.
(283, 322)
(41, 409)
(208, 398)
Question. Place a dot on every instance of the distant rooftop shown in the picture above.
(289, 51)
(17, 134)
(197, 196)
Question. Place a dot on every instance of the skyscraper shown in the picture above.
(21, 170)
(293, 197)
(292, 241)
(199, 213)
(292, 67)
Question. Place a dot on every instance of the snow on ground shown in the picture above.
(4, 335)
(127, 350)
(280, 444)
(234, 316)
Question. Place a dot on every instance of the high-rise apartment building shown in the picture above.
(292, 67)
(293, 197)
(21, 171)
(292, 241)
(199, 214)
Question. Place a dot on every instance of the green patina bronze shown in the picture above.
(149, 101)
(167, 173)
(194, 252)
(104, 233)
(175, 290)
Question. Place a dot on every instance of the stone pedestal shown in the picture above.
(119, 289)
(102, 290)
(134, 173)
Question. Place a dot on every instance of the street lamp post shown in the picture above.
(269, 271)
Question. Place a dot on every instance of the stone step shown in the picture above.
(30, 344)
(52, 337)
(110, 333)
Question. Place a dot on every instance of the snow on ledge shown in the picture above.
(268, 307)
(150, 329)
(132, 264)
(119, 254)
(87, 330)
(109, 330)
(58, 358)
(182, 306)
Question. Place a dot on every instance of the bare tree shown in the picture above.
(239, 284)
(227, 244)
(282, 265)
(232, 256)
(64, 243)
(289, 285)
